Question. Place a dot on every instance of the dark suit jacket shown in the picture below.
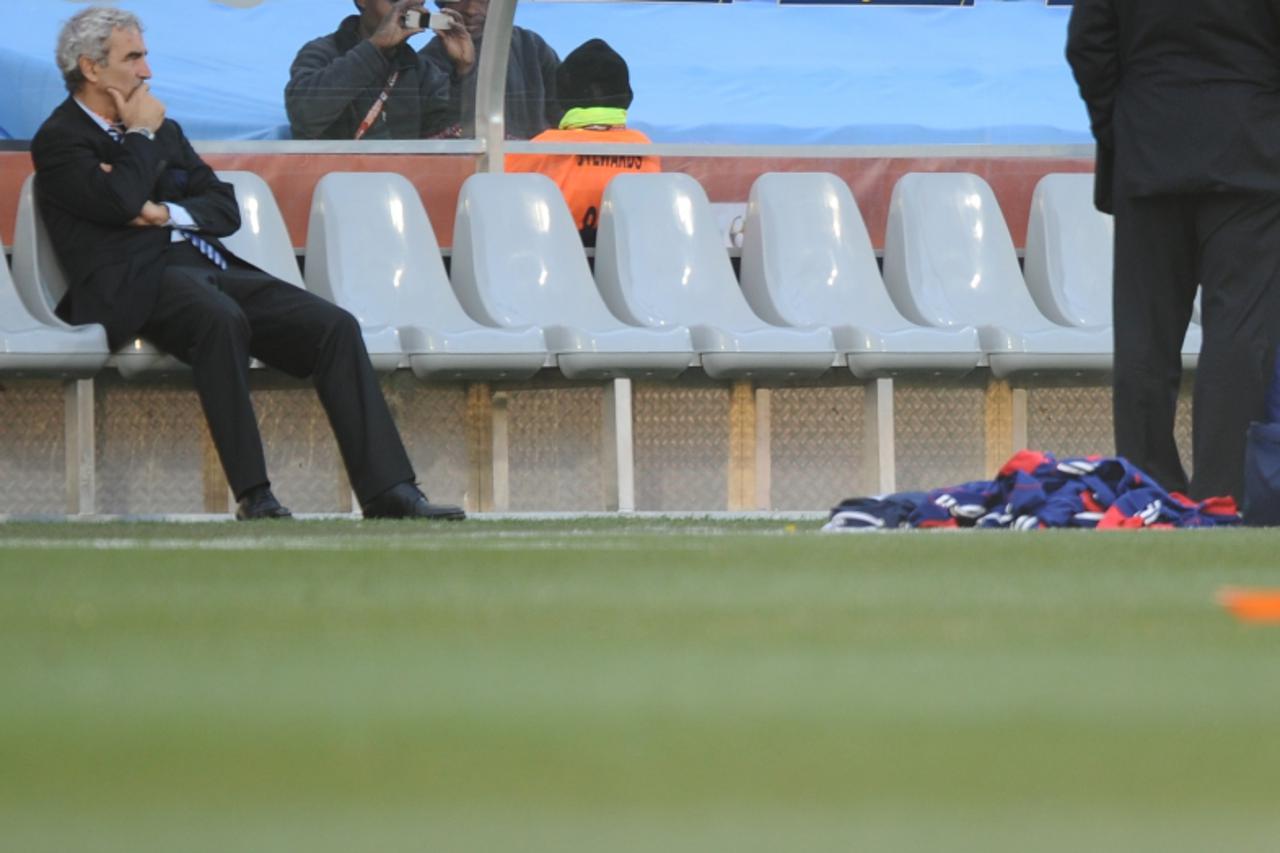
(1183, 94)
(113, 269)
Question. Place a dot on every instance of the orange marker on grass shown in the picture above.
(1251, 605)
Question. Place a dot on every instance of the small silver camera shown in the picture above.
(417, 19)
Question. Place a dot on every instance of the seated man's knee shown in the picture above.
(225, 321)
(343, 324)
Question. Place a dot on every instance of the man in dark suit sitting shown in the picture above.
(134, 215)
(1184, 101)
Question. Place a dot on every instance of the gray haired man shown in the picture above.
(135, 216)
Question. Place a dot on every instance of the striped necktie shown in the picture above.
(205, 248)
(202, 245)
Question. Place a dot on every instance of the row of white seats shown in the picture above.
(664, 295)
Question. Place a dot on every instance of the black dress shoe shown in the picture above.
(260, 503)
(406, 501)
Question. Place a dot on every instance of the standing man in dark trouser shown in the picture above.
(1184, 101)
(134, 215)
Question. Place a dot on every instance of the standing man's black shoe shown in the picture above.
(259, 503)
(406, 501)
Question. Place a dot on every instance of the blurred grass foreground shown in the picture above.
(615, 685)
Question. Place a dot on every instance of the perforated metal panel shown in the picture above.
(1077, 420)
(1070, 421)
(816, 446)
(149, 446)
(32, 455)
(1182, 423)
(681, 447)
(940, 432)
(555, 449)
(432, 421)
(303, 461)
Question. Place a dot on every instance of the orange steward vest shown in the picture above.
(583, 177)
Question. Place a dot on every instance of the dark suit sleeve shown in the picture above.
(1093, 53)
(190, 182)
(73, 178)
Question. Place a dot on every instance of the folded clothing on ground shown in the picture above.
(1035, 490)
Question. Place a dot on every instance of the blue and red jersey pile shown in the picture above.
(1035, 490)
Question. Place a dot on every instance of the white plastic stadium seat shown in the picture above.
(807, 260)
(660, 261)
(39, 274)
(949, 262)
(32, 346)
(1070, 254)
(1069, 245)
(32, 337)
(371, 249)
(518, 261)
(1195, 336)
(263, 239)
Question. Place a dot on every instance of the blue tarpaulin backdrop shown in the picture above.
(740, 73)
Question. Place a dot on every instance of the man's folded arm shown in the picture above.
(73, 177)
(210, 202)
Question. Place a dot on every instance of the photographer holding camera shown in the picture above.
(364, 81)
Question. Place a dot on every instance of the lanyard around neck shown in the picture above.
(376, 109)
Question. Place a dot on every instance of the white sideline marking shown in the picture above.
(689, 539)
(474, 534)
(276, 543)
(224, 518)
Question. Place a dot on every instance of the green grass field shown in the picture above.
(632, 685)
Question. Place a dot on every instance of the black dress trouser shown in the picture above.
(214, 320)
(1229, 245)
